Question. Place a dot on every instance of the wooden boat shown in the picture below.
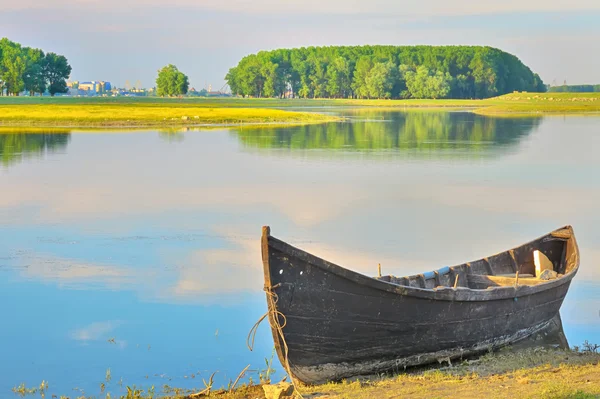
(330, 323)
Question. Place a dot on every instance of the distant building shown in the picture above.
(95, 87)
(217, 94)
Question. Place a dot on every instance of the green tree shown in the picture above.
(12, 67)
(359, 83)
(34, 76)
(424, 83)
(56, 70)
(381, 79)
(273, 85)
(338, 78)
(171, 82)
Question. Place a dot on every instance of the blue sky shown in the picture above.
(129, 40)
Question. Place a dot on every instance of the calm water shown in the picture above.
(139, 251)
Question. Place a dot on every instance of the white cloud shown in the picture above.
(94, 331)
(98, 331)
(71, 272)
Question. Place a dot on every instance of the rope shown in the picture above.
(272, 299)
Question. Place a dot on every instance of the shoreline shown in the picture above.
(143, 126)
(535, 372)
(108, 112)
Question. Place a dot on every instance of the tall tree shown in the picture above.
(359, 83)
(381, 79)
(171, 82)
(34, 76)
(338, 78)
(13, 66)
(424, 83)
(57, 70)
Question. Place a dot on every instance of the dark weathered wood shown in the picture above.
(339, 323)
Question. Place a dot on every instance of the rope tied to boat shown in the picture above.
(272, 299)
(275, 314)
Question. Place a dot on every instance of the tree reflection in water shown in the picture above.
(422, 132)
(16, 146)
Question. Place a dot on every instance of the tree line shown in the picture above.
(382, 72)
(31, 70)
(575, 89)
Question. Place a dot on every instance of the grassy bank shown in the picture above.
(530, 373)
(144, 114)
(62, 111)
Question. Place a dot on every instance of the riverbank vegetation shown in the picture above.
(531, 373)
(382, 72)
(29, 69)
(156, 111)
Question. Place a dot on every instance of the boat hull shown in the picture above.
(337, 324)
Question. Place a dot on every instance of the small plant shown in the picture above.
(133, 393)
(108, 375)
(265, 375)
(590, 348)
(43, 388)
(22, 390)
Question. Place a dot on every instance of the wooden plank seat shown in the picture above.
(481, 281)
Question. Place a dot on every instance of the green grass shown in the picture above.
(152, 111)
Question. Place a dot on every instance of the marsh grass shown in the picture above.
(43, 111)
(108, 114)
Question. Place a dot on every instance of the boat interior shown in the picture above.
(547, 258)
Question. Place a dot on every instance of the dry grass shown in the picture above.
(534, 373)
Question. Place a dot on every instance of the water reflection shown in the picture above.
(172, 135)
(15, 146)
(552, 336)
(422, 132)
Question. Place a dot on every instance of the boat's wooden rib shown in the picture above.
(336, 323)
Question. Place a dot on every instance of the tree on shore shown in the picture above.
(171, 82)
(57, 70)
(34, 77)
(29, 69)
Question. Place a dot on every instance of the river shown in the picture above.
(138, 251)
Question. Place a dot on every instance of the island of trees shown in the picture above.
(382, 72)
(29, 69)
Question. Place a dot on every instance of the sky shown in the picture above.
(129, 40)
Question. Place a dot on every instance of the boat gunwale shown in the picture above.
(464, 294)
